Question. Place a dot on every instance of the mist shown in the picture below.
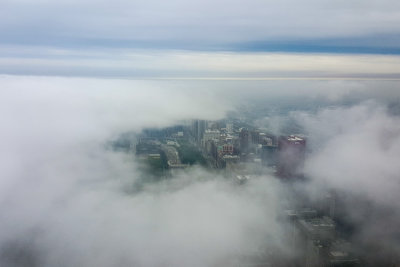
(65, 197)
(356, 151)
(68, 200)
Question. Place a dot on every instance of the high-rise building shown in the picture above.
(198, 128)
(268, 155)
(245, 140)
(201, 128)
(194, 128)
(291, 155)
(229, 127)
(210, 135)
(255, 137)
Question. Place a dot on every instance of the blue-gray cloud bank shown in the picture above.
(309, 26)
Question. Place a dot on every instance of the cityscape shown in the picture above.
(317, 230)
(199, 133)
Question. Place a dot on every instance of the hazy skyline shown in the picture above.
(64, 196)
(75, 75)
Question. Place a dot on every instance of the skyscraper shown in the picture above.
(291, 155)
(201, 128)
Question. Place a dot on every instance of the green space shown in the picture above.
(154, 168)
(158, 164)
(189, 153)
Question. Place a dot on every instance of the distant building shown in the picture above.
(201, 128)
(229, 127)
(231, 162)
(291, 155)
(316, 241)
(341, 254)
(316, 236)
(194, 128)
(227, 149)
(255, 137)
(210, 135)
(328, 204)
(211, 151)
(245, 140)
(269, 154)
(198, 128)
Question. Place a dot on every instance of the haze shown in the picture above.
(77, 76)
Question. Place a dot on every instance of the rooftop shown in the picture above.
(294, 138)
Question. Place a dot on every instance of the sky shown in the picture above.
(74, 75)
(201, 39)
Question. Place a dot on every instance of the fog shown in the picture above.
(357, 151)
(66, 199)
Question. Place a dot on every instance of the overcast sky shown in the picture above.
(200, 38)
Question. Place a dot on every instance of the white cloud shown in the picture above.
(356, 150)
(64, 197)
(64, 200)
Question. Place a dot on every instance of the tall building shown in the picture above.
(291, 155)
(194, 128)
(201, 128)
(316, 236)
(210, 135)
(316, 241)
(268, 155)
(229, 127)
(245, 140)
(255, 137)
(198, 128)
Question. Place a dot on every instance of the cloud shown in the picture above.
(93, 223)
(193, 23)
(65, 198)
(355, 151)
